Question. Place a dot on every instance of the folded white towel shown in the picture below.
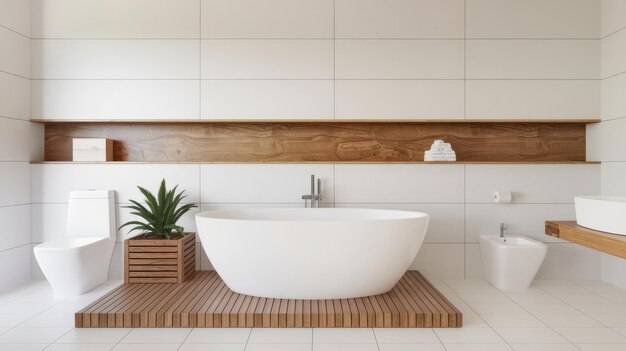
(440, 153)
(440, 148)
(440, 160)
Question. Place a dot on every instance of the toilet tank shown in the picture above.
(91, 214)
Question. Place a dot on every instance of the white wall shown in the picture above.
(417, 59)
(20, 142)
(457, 197)
(216, 59)
(607, 142)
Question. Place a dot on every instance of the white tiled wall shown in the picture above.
(533, 59)
(115, 19)
(525, 99)
(267, 19)
(613, 54)
(398, 99)
(115, 99)
(606, 139)
(456, 196)
(415, 59)
(399, 59)
(533, 19)
(14, 96)
(316, 59)
(15, 53)
(269, 99)
(20, 142)
(267, 59)
(399, 19)
(116, 59)
(15, 15)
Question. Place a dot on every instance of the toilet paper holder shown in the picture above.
(502, 197)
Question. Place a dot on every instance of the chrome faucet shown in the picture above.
(502, 230)
(314, 198)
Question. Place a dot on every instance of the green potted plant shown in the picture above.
(163, 252)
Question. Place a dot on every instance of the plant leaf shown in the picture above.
(160, 213)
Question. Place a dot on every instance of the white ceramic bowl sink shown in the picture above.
(606, 214)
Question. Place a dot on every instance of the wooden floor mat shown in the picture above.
(206, 302)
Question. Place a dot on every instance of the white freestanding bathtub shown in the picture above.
(311, 253)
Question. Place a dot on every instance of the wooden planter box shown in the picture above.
(149, 260)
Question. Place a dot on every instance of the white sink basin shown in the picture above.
(606, 214)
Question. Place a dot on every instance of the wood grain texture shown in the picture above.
(159, 261)
(206, 302)
(611, 244)
(367, 142)
(321, 120)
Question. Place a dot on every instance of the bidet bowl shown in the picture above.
(511, 262)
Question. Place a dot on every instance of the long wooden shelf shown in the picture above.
(324, 142)
(315, 120)
(611, 244)
(324, 162)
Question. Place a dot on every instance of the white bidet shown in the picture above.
(511, 262)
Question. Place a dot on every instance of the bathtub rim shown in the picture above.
(405, 215)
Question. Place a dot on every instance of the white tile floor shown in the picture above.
(552, 315)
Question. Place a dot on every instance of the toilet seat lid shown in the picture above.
(68, 244)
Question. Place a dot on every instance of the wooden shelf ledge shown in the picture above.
(323, 142)
(314, 120)
(324, 162)
(611, 244)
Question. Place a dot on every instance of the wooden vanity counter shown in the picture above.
(611, 244)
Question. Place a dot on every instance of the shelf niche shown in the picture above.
(319, 141)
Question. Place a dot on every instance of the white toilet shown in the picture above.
(80, 261)
(511, 262)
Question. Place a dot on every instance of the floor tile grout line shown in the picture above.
(548, 326)
(122, 338)
(375, 338)
(478, 315)
(248, 339)
(185, 339)
(577, 309)
(39, 313)
(532, 314)
(57, 339)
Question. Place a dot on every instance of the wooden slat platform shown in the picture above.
(206, 302)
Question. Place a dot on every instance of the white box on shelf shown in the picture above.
(92, 150)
